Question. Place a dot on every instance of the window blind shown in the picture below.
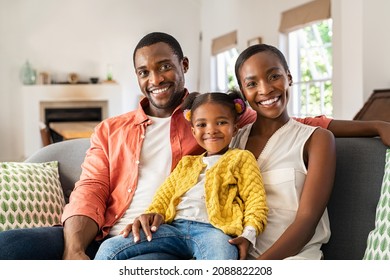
(300, 16)
(224, 42)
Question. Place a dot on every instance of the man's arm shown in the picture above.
(341, 128)
(79, 232)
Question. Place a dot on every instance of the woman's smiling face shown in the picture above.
(265, 84)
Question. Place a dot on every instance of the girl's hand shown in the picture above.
(242, 244)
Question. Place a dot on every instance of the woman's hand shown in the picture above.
(149, 223)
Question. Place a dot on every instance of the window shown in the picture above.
(223, 77)
(308, 32)
(310, 61)
(224, 55)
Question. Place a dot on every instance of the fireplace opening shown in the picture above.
(56, 115)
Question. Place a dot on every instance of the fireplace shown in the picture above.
(73, 114)
(57, 103)
(70, 115)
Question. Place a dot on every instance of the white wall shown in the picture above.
(348, 81)
(376, 45)
(83, 36)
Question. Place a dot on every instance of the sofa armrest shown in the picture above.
(352, 206)
(70, 154)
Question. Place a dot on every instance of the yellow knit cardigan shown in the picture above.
(234, 191)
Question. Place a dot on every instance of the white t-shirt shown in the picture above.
(155, 166)
(192, 205)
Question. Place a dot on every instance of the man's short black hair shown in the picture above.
(157, 37)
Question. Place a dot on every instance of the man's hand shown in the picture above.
(384, 132)
(242, 245)
(149, 223)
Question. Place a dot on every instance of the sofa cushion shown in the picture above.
(30, 195)
(378, 242)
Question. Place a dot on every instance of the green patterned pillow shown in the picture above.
(378, 242)
(30, 195)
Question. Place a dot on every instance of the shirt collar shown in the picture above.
(141, 116)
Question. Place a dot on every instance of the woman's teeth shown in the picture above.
(269, 101)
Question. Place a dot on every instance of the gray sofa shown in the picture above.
(352, 207)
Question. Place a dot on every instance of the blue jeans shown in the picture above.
(184, 239)
(41, 243)
(47, 243)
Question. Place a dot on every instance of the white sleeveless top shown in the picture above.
(282, 167)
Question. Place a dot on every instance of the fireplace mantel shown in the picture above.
(36, 96)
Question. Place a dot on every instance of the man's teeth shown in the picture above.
(156, 91)
(269, 101)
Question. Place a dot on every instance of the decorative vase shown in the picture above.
(28, 74)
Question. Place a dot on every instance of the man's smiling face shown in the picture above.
(160, 76)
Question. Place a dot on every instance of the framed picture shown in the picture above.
(254, 41)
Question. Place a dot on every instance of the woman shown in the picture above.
(297, 161)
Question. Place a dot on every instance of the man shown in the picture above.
(129, 158)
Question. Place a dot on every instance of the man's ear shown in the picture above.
(186, 64)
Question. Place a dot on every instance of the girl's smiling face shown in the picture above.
(265, 84)
(213, 126)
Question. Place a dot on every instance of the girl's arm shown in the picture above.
(251, 190)
(320, 152)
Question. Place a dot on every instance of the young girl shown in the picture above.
(297, 161)
(207, 199)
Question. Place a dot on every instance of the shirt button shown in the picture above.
(142, 136)
(129, 190)
(116, 216)
(137, 162)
